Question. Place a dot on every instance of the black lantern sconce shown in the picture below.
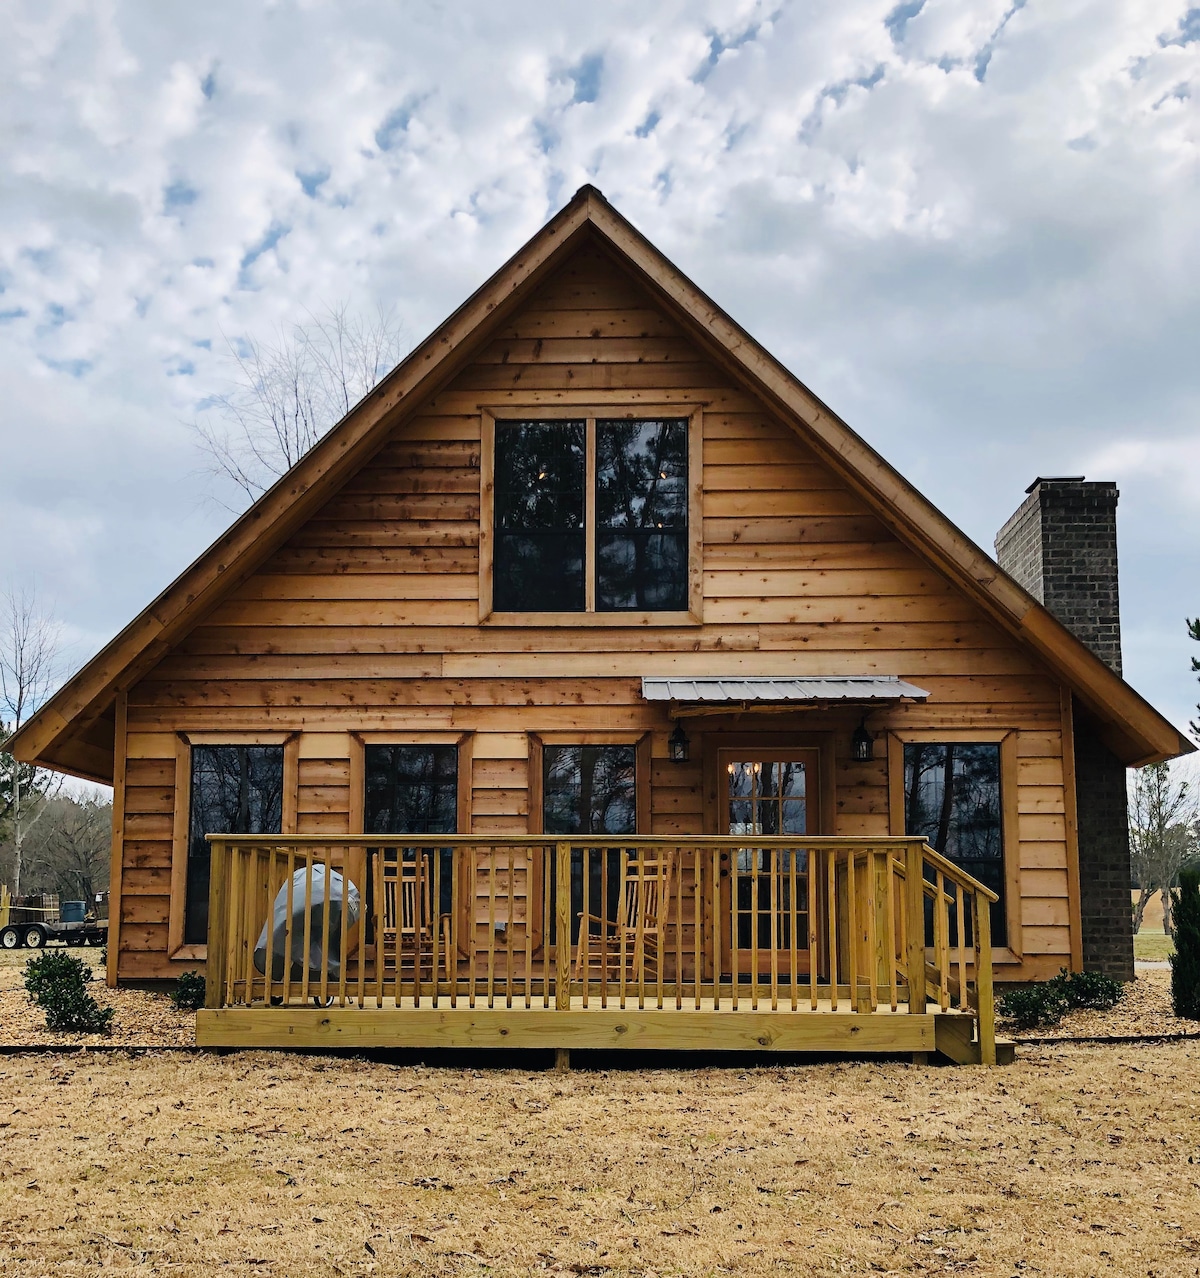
(679, 744)
(862, 744)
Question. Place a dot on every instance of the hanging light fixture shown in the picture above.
(679, 744)
(862, 744)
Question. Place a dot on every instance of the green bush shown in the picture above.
(56, 982)
(1185, 962)
(188, 994)
(1092, 990)
(1034, 1006)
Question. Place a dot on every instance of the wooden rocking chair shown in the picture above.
(410, 921)
(635, 940)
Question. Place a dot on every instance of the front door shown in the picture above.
(766, 891)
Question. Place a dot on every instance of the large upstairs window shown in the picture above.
(590, 515)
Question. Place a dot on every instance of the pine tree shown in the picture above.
(1185, 962)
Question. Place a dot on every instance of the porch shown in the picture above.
(768, 943)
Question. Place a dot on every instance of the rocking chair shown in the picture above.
(635, 940)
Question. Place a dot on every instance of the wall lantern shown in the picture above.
(679, 745)
(862, 744)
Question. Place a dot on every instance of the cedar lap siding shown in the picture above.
(351, 609)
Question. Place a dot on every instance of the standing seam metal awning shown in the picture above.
(855, 688)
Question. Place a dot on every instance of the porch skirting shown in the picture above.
(592, 1029)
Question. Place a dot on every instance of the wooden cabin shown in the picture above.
(593, 684)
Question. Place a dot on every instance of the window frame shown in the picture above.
(589, 413)
(1010, 948)
(181, 819)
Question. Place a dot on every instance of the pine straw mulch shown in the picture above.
(1073, 1162)
(142, 1019)
(1144, 1009)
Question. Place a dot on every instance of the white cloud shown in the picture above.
(970, 225)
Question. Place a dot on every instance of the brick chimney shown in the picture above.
(1061, 545)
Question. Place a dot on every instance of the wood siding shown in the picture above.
(367, 619)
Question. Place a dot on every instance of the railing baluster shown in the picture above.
(360, 950)
(508, 932)
(528, 928)
(698, 899)
(622, 905)
(325, 923)
(678, 862)
(872, 955)
(380, 919)
(832, 929)
(288, 929)
(344, 938)
(308, 886)
(562, 931)
(435, 922)
(942, 940)
(218, 924)
(812, 858)
(793, 855)
(961, 931)
(491, 933)
(776, 921)
(852, 937)
(890, 879)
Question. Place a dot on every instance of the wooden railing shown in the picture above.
(708, 923)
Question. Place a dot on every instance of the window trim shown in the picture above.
(589, 412)
(1012, 949)
(181, 819)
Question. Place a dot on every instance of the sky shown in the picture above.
(970, 226)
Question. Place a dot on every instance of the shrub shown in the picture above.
(1034, 1006)
(56, 982)
(1092, 990)
(188, 994)
(1185, 962)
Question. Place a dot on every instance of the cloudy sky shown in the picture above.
(971, 226)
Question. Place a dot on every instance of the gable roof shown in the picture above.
(72, 731)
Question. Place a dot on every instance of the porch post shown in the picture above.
(983, 980)
(562, 925)
(218, 921)
(914, 894)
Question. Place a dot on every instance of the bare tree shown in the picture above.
(30, 668)
(68, 852)
(1162, 834)
(288, 392)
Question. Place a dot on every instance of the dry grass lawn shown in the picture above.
(1075, 1161)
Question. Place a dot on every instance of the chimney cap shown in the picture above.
(1055, 479)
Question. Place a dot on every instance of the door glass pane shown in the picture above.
(235, 790)
(539, 514)
(767, 797)
(641, 515)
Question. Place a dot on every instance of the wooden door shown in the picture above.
(766, 892)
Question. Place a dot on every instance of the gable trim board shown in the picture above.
(71, 733)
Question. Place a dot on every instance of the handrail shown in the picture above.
(580, 841)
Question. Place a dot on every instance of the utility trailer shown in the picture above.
(37, 920)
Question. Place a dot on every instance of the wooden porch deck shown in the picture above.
(789, 945)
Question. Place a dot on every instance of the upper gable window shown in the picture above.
(592, 515)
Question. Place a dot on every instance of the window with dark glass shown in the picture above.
(590, 790)
(235, 790)
(952, 799)
(539, 515)
(641, 515)
(632, 523)
(413, 789)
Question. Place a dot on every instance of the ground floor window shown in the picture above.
(590, 790)
(235, 789)
(413, 789)
(952, 799)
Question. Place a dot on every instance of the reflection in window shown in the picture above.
(539, 505)
(413, 789)
(641, 515)
(235, 790)
(952, 799)
(590, 790)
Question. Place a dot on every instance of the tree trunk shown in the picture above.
(1145, 896)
